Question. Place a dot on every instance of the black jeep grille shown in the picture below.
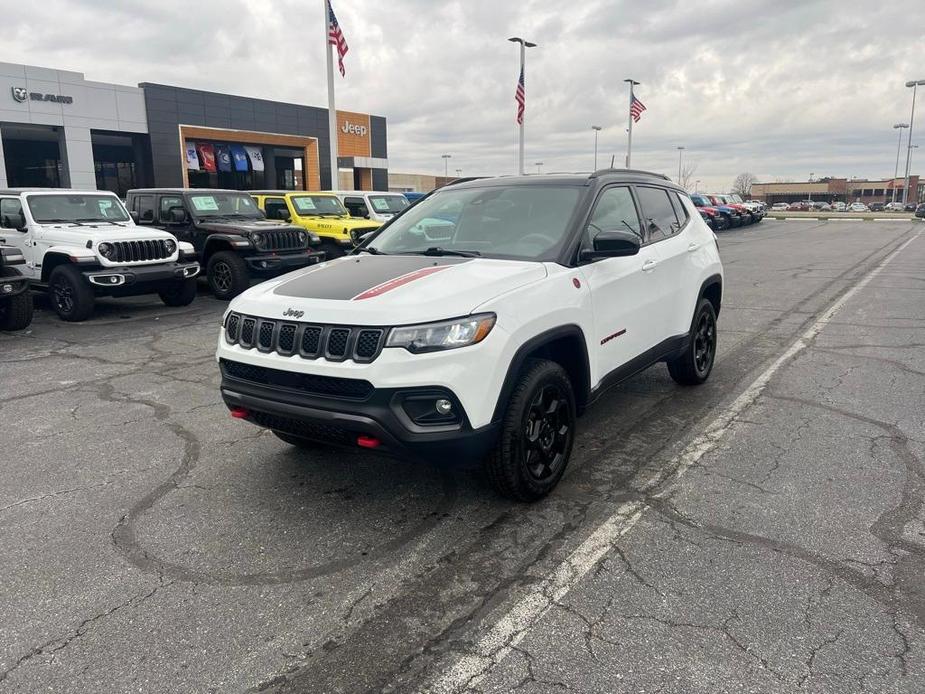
(138, 251)
(335, 343)
(325, 386)
(282, 240)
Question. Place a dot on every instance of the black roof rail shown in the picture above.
(601, 172)
(463, 180)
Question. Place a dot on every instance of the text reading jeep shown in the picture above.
(232, 238)
(486, 341)
(15, 298)
(321, 213)
(81, 245)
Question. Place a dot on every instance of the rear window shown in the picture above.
(660, 219)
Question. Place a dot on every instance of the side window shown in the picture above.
(144, 206)
(615, 211)
(168, 201)
(11, 213)
(658, 213)
(679, 209)
(356, 207)
(275, 208)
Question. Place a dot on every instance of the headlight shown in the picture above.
(432, 337)
(171, 246)
(259, 240)
(105, 250)
(303, 237)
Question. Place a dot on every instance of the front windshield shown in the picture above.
(224, 205)
(388, 204)
(76, 209)
(524, 222)
(308, 205)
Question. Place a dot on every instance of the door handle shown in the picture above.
(693, 247)
(649, 265)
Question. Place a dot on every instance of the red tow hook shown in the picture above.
(240, 413)
(368, 441)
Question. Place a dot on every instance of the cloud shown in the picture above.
(780, 89)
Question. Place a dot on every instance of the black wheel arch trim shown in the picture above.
(581, 390)
(711, 281)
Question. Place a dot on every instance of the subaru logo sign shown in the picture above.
(19, 93)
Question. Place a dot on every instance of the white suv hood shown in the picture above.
(387, 290)
(71, 234)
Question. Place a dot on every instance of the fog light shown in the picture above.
(443, 406)
(7, 288)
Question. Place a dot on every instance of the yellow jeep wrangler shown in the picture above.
(322, 213)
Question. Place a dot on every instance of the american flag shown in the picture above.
(336, 38)
(636, 109)
(520, 96)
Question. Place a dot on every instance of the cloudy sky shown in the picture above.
(781, 89)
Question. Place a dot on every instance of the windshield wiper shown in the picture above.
(369, 249)
(436, 250)
(75, 222)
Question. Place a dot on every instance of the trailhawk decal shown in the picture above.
(363, 277)
(397, 282)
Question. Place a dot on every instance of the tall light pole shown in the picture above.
(914, 84)
(596, 129)
(524, 45)
(458, 173)
(810, 194)
(900, 127)
(680, 154)
(629, 127)
(446, 163)
(538, 165)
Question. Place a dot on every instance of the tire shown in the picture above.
(70, 295)
(16, 311)
(694, 365)
(722, 222)
(227, 275)
(180, 293)
(296, 441)
(332, 250)
(537, 433)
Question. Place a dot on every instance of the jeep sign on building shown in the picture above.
(60, 130)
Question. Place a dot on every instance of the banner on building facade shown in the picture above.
(223, 157)
(256, 157)
(192, 160)
(240, 158)
(206, 156)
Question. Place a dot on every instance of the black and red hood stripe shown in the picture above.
(363, 277)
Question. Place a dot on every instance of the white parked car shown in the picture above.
(839, 206)
(857, 207)
(484, 343)
(894, 207)
(83, 244)
(369, 204)
(780, 207)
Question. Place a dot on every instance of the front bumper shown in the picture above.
(118, 278)
(274, 263)
(376, 415)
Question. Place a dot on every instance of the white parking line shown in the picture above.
(510, 629)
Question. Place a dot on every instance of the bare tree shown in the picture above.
(742, 185)
(687, 175)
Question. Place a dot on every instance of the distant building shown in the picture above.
(415, 183)
(838, 190)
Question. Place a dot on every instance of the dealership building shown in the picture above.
(58, 129)
(839, 190)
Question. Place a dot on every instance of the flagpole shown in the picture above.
(332, 113)
(524, 45)
(629, 128)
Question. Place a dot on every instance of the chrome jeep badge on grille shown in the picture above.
(293, 313)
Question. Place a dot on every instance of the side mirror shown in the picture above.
(613, 244)
(134, 215)
(16, 222)
(176, 215)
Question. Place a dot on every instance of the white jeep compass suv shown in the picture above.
(478, 323)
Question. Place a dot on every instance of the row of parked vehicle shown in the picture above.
(81, 245)
(838, 206)
(727, 211)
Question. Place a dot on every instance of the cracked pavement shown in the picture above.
(152, 544)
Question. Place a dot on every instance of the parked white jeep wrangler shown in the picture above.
(83, 244)
(477, 324)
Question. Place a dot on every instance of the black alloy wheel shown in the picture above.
(705, 343)
(221, 276)
(547, 432)
(70, 296)
(694, 365)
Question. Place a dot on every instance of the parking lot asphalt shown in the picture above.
(152, 544)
